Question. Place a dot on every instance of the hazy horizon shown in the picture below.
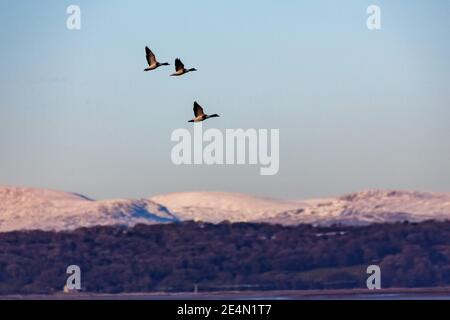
(357, 109)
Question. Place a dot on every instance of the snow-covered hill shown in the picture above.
(373, 206)
(219, 206)
(28, 208)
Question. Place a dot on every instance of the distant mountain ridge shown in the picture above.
(371, 206)
(30, 208)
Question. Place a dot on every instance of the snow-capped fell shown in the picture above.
(29, 208)
(219, 206)
(372, 206)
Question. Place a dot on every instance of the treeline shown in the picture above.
(178, 257)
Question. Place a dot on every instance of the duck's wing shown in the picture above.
(178, 65)
(198, 110)
(151, 59)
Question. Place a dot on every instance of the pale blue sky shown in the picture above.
(356, 109)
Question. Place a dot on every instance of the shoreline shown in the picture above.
(345, 294)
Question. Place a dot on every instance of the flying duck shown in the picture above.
(199, 115)
(151, 60)
(180, 69)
